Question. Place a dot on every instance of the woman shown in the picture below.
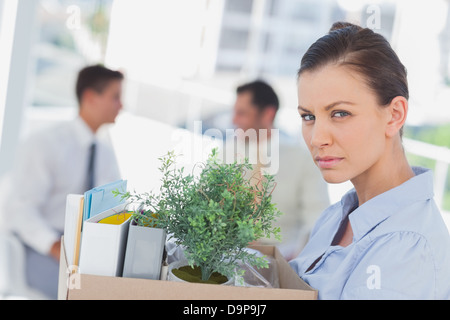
(386, 238)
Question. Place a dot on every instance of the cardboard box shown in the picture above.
(90, 287)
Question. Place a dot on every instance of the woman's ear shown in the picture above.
(398, 111)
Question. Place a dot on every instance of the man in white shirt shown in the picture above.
(65, 159)
(300, 192)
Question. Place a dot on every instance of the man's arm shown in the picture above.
(31, 185)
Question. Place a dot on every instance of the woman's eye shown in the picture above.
(340, 114)
(308, 117)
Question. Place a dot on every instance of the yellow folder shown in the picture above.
(117, 219)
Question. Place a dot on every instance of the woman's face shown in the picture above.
(343, 125)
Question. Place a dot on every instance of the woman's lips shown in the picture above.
(328, 162)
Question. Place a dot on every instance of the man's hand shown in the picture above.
(56, 250)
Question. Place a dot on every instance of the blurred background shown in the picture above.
(184, 59)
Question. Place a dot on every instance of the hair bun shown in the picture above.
(341, 25)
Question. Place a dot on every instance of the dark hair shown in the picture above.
(366, 52)
(96, 78)
(263, 95)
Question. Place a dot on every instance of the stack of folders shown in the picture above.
(95, 231)
(100, 240)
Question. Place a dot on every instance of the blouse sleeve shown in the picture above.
(398, 265)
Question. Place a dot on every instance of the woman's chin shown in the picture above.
(334, 177)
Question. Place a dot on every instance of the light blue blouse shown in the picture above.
(400, 248)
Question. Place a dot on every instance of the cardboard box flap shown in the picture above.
(287, 277)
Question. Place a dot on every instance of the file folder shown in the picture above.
(144, 253)
(102, 198)
(103, 245)
(72, 227)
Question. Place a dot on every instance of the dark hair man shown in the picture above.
(67, 158)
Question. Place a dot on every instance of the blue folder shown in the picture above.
(102, 198)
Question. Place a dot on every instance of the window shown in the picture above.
(244, 6)
(70, 35)
(234, 39)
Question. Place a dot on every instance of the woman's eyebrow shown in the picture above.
(328, 107)
(300, 108)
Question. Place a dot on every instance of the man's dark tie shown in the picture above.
(91, 167)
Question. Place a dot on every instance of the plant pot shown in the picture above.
(183, 263)
(144, 254)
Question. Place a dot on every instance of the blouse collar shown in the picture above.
(367, 216)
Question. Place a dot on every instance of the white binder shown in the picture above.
(103, 245)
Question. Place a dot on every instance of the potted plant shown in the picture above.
(213, 216)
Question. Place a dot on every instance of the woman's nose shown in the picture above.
(320, 136)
